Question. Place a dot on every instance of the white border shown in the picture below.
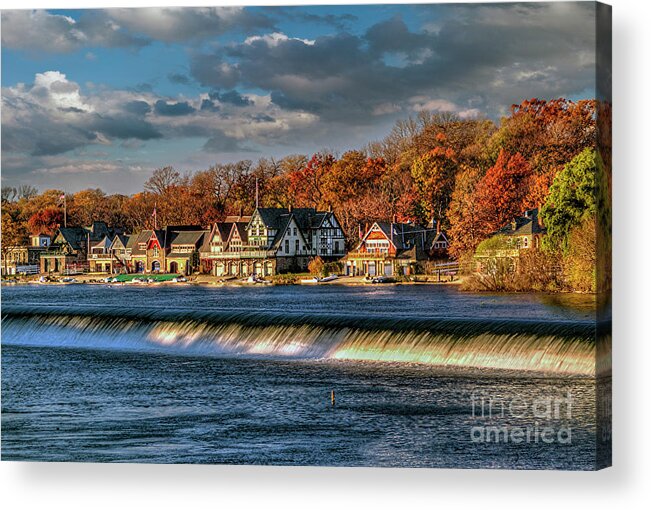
(101, 486)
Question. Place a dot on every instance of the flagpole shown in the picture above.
(65, 212)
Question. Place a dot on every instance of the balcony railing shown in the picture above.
(244, 254)
(374, 255)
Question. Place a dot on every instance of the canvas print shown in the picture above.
(353, 235)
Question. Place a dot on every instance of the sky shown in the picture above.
(100, 98)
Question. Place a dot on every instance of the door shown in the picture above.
(174, 267)
(155, 266)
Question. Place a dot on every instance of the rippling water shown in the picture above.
(241, 375)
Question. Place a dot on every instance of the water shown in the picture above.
(243, 375)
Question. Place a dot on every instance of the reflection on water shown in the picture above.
(244, 375)
(109, 406)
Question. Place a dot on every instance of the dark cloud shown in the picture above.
(144, 87)
(208, 106)
(173, 109)
(393, 35)
(262, 117)
(179, 79)
(231, 97)
(476, 56)
(219, 142)
(43, 31)
(338, 21)
(137, 107)
(124, 127)
(176, 24)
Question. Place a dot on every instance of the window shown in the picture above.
(287, 246)
(297, 247)
(336, 246)
(525, 242)
(377, 246)
(294, 231)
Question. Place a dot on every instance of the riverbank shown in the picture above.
(202, 279)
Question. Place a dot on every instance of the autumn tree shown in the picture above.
(500, 194)
(87, 206)
(161, 180)
(433, 175)
(46, 221)
(13, 231)
(353, 188)
(547, 134)
(464, 232)
(306, 184)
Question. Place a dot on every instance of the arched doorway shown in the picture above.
(174, 267)
(155, 266)
(140, 266)
(219, 269)
(268, 269)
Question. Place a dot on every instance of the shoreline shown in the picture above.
(215, 281)
(209, 280)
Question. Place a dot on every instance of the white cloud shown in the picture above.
(275, 38)
(52, 116)
(423, 103)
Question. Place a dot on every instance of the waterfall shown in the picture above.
(547, 347)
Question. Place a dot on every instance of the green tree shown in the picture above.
(572, 198)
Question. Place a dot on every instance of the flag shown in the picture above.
(62, 197)
(153, 214)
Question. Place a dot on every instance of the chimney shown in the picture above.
(438, 227)
(291, 207)
(329, 207)
(538, 219)
(241, 211)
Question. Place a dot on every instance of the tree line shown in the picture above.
(471, 175)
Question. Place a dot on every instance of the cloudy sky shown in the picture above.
(98, 98)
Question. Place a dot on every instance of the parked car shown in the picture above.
(383, 279)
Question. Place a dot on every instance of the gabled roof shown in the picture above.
(137, 239)
(303, 217)
(240, 226)
(440, 237)
(271, 216)
(526, 224)
(283, 223)
(160, 236)
(408, 239)
(75, 237)
(185, 237)
(105, 243)
(120, 241)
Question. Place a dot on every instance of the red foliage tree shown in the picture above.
(45, 221)
(306, 185)
(501, 193)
